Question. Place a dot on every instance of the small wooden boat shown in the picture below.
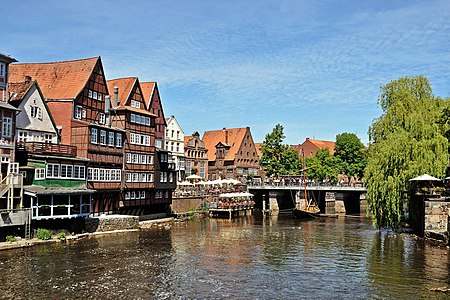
(308, 209)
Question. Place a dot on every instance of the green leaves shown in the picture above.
(406, 141)
(279, 159)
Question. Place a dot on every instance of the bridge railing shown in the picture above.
(308, 184)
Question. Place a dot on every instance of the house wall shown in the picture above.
(62, 114)
(24, 119)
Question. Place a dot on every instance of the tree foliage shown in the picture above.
(349, 151)
(278, 159)
(407, 140)
(322, 166)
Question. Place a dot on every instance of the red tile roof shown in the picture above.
(57, 80)
(187, 138)
(125, 86)
(232, 137)
(323, 144)
(147, 91)
(18, 90)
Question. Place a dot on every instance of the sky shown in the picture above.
(315, 67)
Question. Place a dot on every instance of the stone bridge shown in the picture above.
(330, 198)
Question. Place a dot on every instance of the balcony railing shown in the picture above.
(48, 148)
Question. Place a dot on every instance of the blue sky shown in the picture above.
(315, 67)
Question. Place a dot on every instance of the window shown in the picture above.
(52, 170)
(135, 104)
(89, 174)
(95, 176)
(147, 121)
(111, 139)
(135, 158)
(102, 137)
(94, 136)
(133, 118)
(39, 173)
(36, 112)
(78, 112)
(178, 147)
(7, 127)
(48, 138)
(118, 140)
(101, 176)
(78, 172)
(128, 177)
(66, 171)
(89, 93)
(128, 157)
(101, 118)
(142, 194)
(94, 95)
(118, 175)
(22, 136)
(127, 195)
(99, 97)
(135, 177)
(132, 138)
(147, 140)
(143, 158)
(2, 70)
(170, 177)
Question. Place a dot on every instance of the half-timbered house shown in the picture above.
(54, 177)
(130, 113)
(75, 94)
(165, 175)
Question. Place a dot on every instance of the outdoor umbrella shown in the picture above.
(425, 177)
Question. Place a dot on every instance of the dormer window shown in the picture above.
(135, 104)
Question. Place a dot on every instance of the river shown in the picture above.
(244, 258)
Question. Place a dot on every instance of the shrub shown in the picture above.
(10, 238)
(43, 234)
(61, 236)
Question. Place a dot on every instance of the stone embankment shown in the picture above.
(110, 224)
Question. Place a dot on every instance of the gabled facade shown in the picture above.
(231, 154)
(154, 105)
(55, 180)
(75, 94)
(310, 146)
(34, 123)
(174, 140)
(196, 155)
(165, 175)
(131, 114)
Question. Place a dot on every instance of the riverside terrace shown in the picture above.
(283, 195)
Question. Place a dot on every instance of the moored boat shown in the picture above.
(307, 209)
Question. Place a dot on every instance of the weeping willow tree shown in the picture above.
(407, 140)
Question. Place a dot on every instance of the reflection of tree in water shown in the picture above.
(397, 265)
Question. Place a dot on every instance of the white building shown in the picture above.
(34, 122)
(174, 139)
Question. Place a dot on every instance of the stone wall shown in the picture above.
(111, 222)
(183, 205)
(436, 221)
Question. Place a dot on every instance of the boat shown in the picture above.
(306, 209)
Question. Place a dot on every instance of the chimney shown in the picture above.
(27, 79)
(226, 135)
(116, 97)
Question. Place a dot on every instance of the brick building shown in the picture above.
(231, 154)
(196, 155)
(75, 94)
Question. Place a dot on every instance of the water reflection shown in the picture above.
(251, 257)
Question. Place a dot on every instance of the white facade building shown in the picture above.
(174, 140)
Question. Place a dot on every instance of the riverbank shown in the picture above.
(164, 223)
